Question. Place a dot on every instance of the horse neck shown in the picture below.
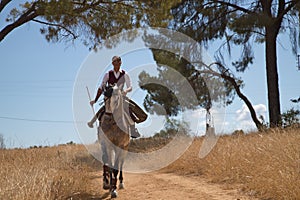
(119, 111)
(107, 105)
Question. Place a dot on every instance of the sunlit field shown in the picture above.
(263, 165)
(45, 173)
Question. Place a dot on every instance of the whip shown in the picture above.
(91, 105)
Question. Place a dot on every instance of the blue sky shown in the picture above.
(37, 80)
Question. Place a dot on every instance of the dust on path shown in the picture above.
(162, 186)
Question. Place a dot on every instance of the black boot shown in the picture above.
(134, 133)
(90, 124)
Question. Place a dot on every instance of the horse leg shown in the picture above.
(123, 154)
(121, 184)
(113, 185)
(117, 166)
(106, 176)
(106, 167)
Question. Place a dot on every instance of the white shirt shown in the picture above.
(117, 74)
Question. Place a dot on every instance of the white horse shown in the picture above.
(114, 137)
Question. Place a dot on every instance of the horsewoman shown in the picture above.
(120, 77)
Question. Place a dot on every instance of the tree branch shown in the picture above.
(287, 9)
(226, 76)
(3, 3)
(29, 15)
(235, 7)
(236, 86)
(57, 25)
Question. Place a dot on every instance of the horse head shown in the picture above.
(114, 107)
(113, 99)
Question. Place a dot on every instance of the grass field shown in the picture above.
(264, 165)
(44, 173)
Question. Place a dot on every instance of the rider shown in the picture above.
(119, 77)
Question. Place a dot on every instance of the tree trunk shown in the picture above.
(272, 76)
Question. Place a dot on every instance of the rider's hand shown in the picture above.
(124, 93)
(92, 102)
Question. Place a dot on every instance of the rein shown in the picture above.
(103, 101)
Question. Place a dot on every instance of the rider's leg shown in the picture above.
(98, 115)
(91, 123)
(133, 131)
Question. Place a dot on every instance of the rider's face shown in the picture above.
(117, 63)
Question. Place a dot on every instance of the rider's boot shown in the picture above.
(134, 133)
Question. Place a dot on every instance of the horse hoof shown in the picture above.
(113, 194)
(121, 186)
(106, 186)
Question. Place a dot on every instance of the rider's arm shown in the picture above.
(128, 83)
(99, 92)
(101, 88)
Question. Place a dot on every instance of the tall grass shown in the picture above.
(265, 165)
(44, 173)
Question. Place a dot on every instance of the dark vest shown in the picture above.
(119, 81)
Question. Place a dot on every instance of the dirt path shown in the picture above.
(161, 186)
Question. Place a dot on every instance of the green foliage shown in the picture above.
(295, 100)
(169, 93)
(238, 22)
(168, 90)
(90, 21)
(242, 23)
(290, 118)
(172, 128)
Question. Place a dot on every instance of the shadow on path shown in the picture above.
(86, 196)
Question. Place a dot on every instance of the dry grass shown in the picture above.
(44, 173)
(265, 165)
(143, 145)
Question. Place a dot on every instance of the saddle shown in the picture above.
(137, 114)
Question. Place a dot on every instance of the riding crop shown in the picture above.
(91, 105)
